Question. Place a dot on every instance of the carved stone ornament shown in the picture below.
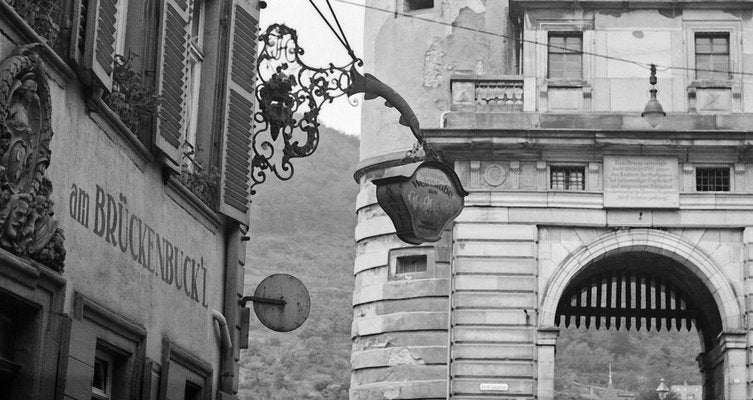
(27, 226)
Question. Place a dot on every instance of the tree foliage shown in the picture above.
(638, 361)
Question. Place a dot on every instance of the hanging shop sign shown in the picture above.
(421, 200)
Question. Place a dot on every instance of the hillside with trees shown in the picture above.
(304, 227)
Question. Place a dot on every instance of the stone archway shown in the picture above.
(723, 361)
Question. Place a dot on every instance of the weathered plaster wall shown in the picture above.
(126, 274)
(662, 37)
(417, 58)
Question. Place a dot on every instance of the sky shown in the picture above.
(322, 47)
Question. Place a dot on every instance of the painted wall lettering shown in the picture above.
(78, 205)
(120, 227)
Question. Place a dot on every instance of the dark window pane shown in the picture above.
(412, 5)
(712, 180)
(410, 264)
(99, 380)
(192, 391)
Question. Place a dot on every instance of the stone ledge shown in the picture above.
(408, 321)
(398, 373)
(493, 335)
(426, 390)
(399, 356)
(405, 289)
(495, 283)
(514, 370)
(488, 300)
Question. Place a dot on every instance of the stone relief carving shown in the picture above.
(27, 225)
(495, 175)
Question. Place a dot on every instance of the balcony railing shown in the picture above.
(493, 94)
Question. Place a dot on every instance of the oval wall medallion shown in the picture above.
(495, 175)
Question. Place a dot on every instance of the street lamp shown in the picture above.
(653, 112)
(662, 390)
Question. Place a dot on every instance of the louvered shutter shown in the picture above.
(92, 45)
(173, 78)
(239, 109)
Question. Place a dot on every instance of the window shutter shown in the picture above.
(92, 45)
(173, 78)
(239, 109)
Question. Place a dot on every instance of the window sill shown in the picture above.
(117, 130)
(711, 84)
(26, 34)
(565, 83)
(192, 204)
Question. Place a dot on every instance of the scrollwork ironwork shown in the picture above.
(290, 95)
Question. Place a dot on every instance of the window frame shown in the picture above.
(408, 252)
(199, 370)
(567, 167)
(195, 60)
(400, 260)
(707, 75)
(731, 27)
(102, 333)
(724, 167)
(558, 51)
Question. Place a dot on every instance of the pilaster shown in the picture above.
(546, 340)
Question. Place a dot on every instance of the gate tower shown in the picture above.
(580, 211)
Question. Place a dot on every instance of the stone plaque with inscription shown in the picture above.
(641, 182)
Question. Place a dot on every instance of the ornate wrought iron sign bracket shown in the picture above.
(290, 95)
(421, 202)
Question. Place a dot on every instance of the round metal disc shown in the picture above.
(278, 317)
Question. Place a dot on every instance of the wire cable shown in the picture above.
(342, 41)
(537, 43)
(341, 35)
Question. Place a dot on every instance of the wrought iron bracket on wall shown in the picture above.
(290, 95)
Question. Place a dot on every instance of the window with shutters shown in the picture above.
(206, 89)
(109, 47)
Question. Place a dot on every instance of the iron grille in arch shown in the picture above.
(626, 299)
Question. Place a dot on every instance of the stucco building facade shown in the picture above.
(579, 212)
(123, 282)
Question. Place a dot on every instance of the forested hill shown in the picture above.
(304, 227)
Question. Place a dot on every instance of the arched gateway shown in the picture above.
(647, 277)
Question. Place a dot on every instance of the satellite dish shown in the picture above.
(281, 302)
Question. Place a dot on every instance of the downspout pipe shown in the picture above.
(225, 342)
(231, 308)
